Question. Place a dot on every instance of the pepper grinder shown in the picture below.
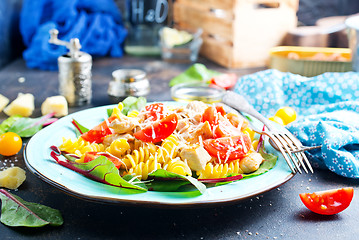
(74, 71)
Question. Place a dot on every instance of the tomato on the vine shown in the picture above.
(159, 130)
(328, 202)
(10, 144)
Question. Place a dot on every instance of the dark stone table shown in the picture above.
(277, 214)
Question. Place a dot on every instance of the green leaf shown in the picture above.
(165, 181)
(109, 111)
(6, 124)
(27, 127)
(196, 73)
(132, 103)
(79, 127)
(102, 170)
(269, 162)
(17, 212)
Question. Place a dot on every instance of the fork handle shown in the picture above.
(239, 103)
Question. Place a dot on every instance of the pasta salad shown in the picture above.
(194, 143)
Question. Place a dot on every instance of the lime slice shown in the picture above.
(173, 37)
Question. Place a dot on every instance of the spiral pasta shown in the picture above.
(133, 113)
(178, 166)
(80, 146)
(168, 149)
(118, 147)
(137, 156)
(220, 170)
(142, 169)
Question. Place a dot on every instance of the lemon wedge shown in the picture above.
(173, 37)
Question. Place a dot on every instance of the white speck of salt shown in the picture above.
(21, 79)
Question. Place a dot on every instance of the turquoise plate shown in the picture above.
(38, 160)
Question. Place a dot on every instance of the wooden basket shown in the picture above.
(237, 33)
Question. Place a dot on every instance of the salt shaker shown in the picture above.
(74, 71)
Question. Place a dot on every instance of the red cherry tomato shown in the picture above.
(229, 148)
(155, 111)
(328, 202)
(220, 110)
(89, 156)
(225, 81)
(98, 133)
(158, 130)
(210, 115)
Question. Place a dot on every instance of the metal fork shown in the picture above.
(283, 141)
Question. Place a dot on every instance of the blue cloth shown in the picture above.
(98, 25)
(328, 113)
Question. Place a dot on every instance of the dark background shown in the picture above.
(11, 45)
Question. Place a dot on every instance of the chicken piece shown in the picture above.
(110, 138)
(237, 120)
(197, 106)
(123, 124)
(251, 162)
(196, 157)
(182, 125)
(203, 131)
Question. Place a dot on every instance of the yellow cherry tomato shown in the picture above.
(287, 114)
(249, 132)
(255, 144)
(10, 144)
(277, 120)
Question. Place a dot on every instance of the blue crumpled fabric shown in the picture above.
(98, 25)
(328, 109)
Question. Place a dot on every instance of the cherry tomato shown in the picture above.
(225, 81)
(229, 148)
(10, 144)
(220, 110)
(210, 115)
(328, 202)
(89, 156)
(277, 119)
(155, 111)
(287, 114)
(98, 133)
(159, 130)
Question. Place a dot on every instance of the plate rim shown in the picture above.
(144, 201)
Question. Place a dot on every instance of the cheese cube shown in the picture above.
(23, 105)
(56, 104)
(3, 102)
(12, 178)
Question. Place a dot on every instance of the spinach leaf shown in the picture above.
(165, 181)
(17, 212)
(196, 73)
(27, 127)
(101, 170)
(79, 129)
(6, 124)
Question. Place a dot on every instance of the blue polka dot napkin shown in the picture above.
(328, 112)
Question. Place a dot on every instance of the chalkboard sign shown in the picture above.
(148, 12)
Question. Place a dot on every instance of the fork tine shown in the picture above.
(285, 144)
(278, 143)
(297, 143)
(294, 147)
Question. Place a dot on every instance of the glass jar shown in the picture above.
(144, 19)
